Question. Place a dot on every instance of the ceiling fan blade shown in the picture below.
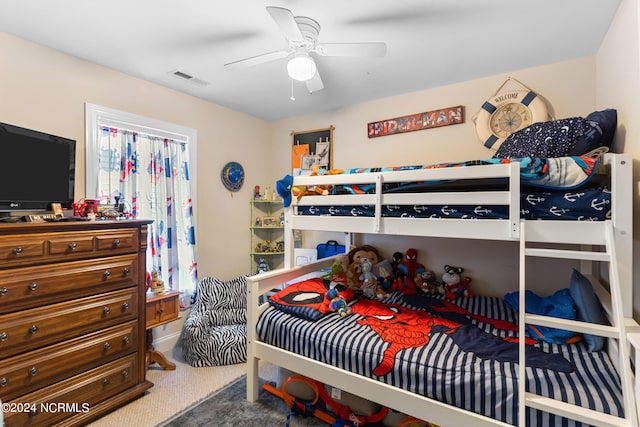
(373, 49)
(258, 59)
(315, 83)
(287, 23)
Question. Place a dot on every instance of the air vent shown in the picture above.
(183, 75)
(188, 77)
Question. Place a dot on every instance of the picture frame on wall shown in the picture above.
(311, 148)
(268, 221)
(307, 162)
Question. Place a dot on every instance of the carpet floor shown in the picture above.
(229, 407)
(176, 391)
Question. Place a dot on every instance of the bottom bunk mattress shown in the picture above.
(462, 353)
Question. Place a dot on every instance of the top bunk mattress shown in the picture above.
(565, 188)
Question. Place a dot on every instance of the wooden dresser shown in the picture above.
(72, 320)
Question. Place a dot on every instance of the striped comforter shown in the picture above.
(442, 370)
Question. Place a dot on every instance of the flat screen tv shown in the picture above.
(36, 169)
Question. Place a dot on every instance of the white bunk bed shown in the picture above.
(597, 241)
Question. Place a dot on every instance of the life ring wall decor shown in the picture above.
(507, 112)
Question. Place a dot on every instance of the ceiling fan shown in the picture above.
(301, 34)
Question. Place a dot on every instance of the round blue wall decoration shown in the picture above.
(232, 176)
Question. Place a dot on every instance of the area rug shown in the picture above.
(229, 407)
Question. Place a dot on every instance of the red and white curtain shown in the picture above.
(150, 175)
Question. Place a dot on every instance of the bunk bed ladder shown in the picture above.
(617, 331)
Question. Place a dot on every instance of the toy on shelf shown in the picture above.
(455, 286)
(156, 284)
(263, 266)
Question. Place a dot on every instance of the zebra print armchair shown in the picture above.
(215, 331)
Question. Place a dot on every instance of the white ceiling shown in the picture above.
(430, 43)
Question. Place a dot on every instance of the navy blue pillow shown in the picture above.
(572, 136)
(603, 127)
(589, 308)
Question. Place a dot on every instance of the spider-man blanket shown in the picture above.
(403, 327)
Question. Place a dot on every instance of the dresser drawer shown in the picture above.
(26, 372)
(76, 395)
(22, 288)
(22, 250)
(44, 248)
(29, 329)
(117, 241)
(76, 244)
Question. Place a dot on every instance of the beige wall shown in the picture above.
(44, 89)
(618, 84)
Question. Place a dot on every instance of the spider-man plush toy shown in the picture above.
(410, 268)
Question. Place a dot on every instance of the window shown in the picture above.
(145, 164)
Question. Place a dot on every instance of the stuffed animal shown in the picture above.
(337, 302)
(336, 274)
(263, 266)
(454, 285)
(323, 190)
(369, 282)
(354, 258)
(428, 283)
(410, 268)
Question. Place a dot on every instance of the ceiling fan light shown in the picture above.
(301, 68)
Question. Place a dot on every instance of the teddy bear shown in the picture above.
(454, 285)
(353, 260)
(360, 274)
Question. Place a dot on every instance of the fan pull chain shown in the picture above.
(293, 98)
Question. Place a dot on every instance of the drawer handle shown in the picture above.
(125, 271)
(106, 382)
(4, 291)
(106, 310)
(4, 336)
(17, 250)
(73, 246)
(125, 306)
(125, 340)
(33, 329)
(4, 381)
(33, 286)
(125, 374)
(107, 346)
(106, 274)
(33, 371)
(116, 242)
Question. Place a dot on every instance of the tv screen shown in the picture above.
(36, 169)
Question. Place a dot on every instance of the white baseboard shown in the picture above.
(166, 343)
